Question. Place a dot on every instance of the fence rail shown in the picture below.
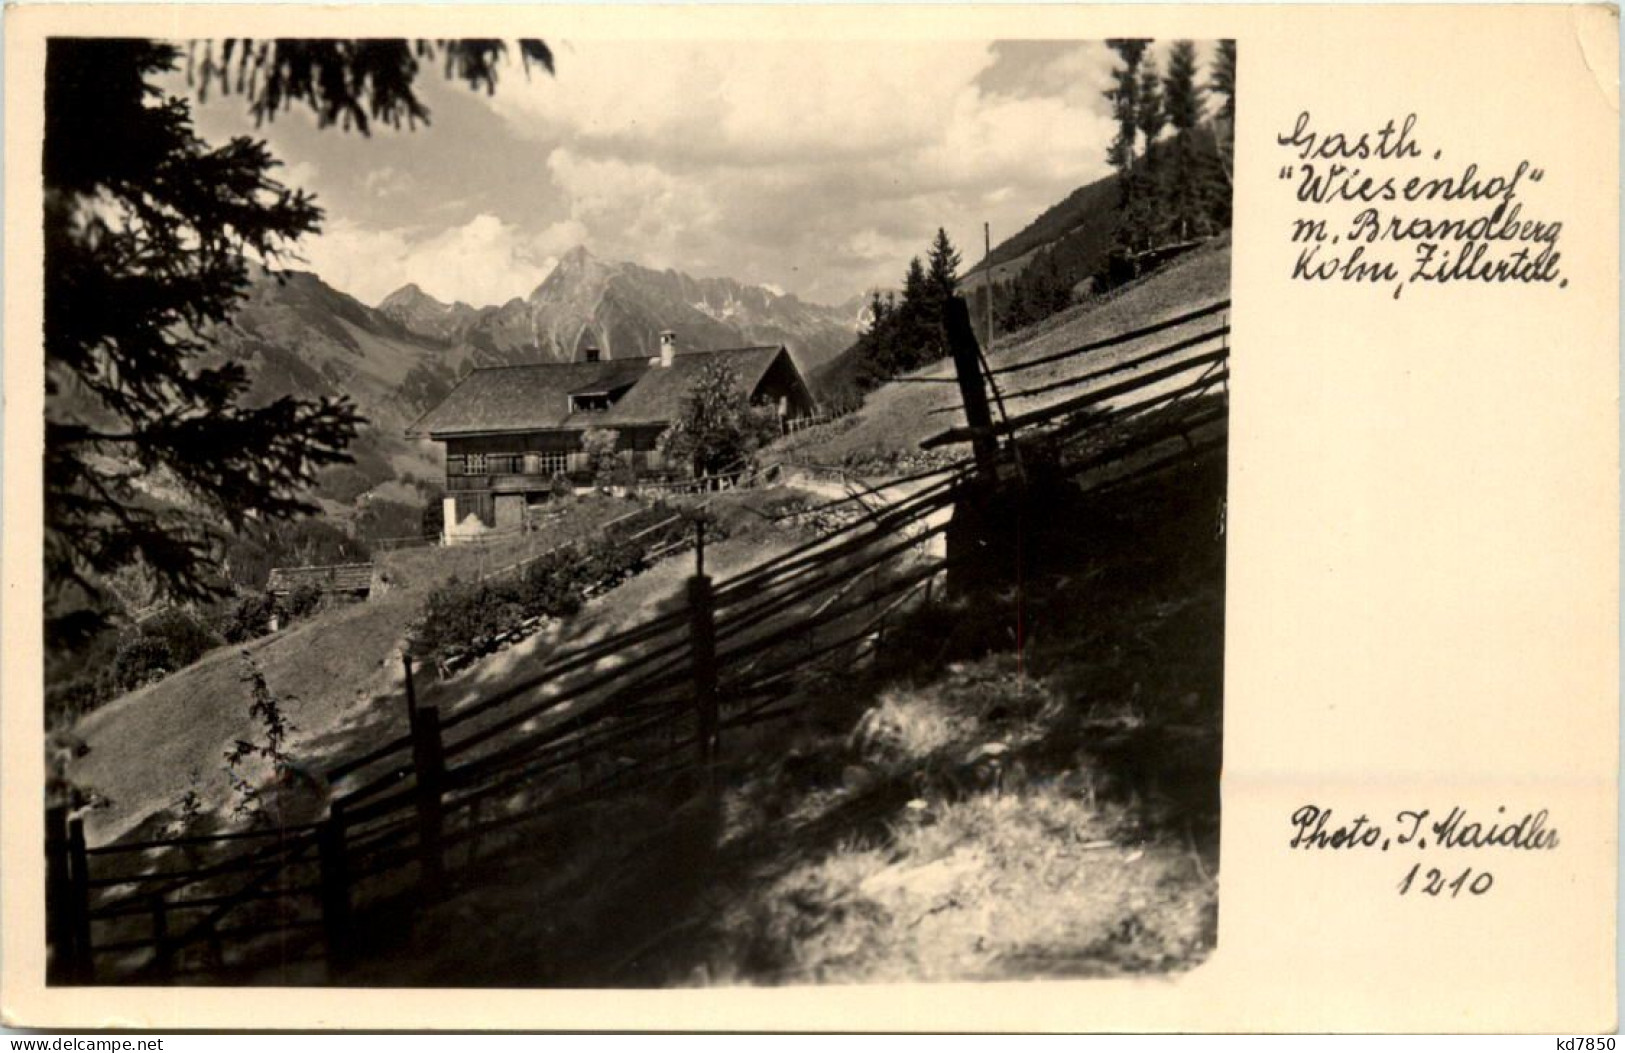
(793, 425)
(419, 813)
(1116, 339)
(684, 680)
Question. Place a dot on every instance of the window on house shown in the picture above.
(551, 463)
(485, 464)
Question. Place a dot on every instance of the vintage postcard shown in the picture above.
(811, 518)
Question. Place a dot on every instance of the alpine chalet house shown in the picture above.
(510, 430)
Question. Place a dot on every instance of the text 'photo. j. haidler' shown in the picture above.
(554, 513)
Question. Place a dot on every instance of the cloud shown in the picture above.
(1078, 70)
(387, 181)
(299, 175)
(817, 166)
(484, 261)
(636, 210)
(820, 167)
(765, 103)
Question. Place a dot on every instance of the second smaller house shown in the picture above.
(343, 579)
(354, 581)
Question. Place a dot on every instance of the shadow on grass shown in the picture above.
(1060, 727)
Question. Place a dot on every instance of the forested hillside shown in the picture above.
(1170, 190)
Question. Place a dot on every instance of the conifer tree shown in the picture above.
(941, 282)
(943, 276)
(914, 283)
(1057, 286)
(874, 344)
(1149, 114)
(1012, 312)
(919, 329)
(878, 309)
(1124, 97)
(1186, 182)
(150, 450)
(1144, 216)
(1222, 83)
(906, 333)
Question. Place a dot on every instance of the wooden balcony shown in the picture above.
(518, 473)
(507, 481)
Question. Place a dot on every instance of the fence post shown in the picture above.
(58, 894)
(972, 387)
(163, 955)
(411, 692)
(428, 763)
(703, 641)
(82, 965)
(335, 880)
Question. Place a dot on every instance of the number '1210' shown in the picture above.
(1434, 883)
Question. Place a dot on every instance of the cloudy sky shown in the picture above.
(816, 168)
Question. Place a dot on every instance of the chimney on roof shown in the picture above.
(668, 347)
(590, 353)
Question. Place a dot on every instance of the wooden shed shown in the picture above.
(345, 579)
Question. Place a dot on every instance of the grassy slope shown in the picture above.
(336, 667)
(144, 746)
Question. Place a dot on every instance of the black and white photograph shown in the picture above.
(634, 513)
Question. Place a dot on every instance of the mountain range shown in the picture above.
(620, 308)
(297, 335)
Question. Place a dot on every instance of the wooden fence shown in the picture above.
(1204, 351)
(420, 815)
(798, 424)
(415, 813)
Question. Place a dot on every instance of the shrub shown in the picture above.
(432, 523)
(186, 637)
(462, 617)
(265, 708)
(302, 601)
(117, 662)
(388, 519)
(249, 617)
(68, 700)
(342, 483)
(602, 459)
(140, 660)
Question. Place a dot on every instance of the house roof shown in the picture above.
(617, 374)
(343, 577)
(537, 397)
